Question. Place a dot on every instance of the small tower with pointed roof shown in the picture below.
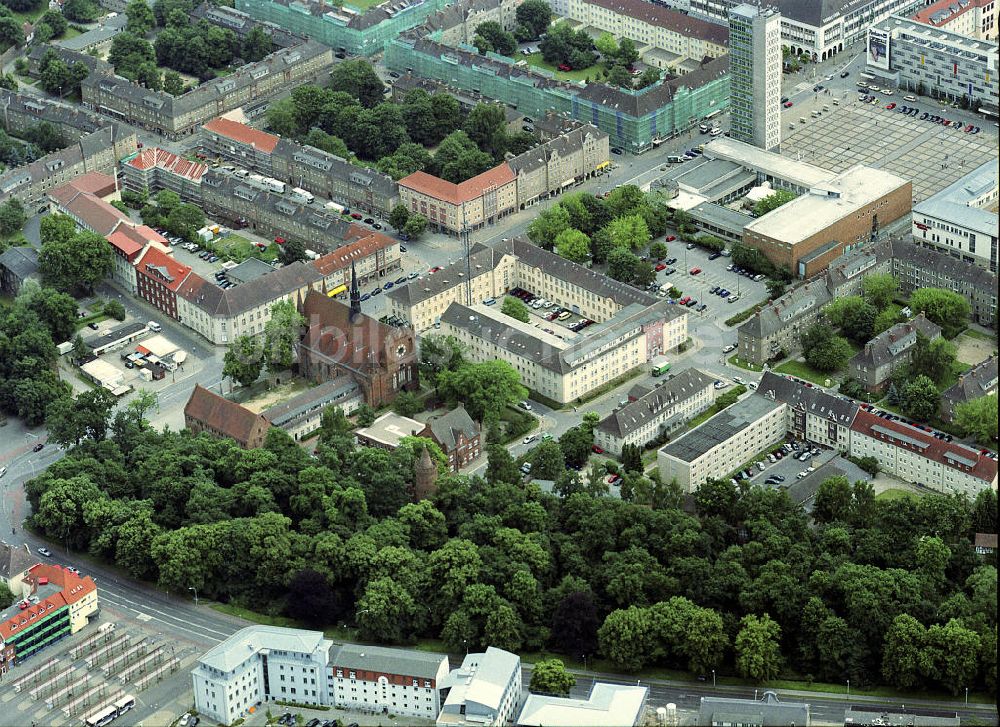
(424, 476)
(355, 294)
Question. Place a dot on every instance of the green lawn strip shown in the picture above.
(804, 371)
(745, 365)
(93, 318)
(748, 313)
(259, 618)
(894, 493)
(604, 666)
(973, 333)
(715, 408)
(536, 60)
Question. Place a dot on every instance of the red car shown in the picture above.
(434, 269)
(595, 449)
(788, 104)
(660, 266)
(890, 107)
(684, 300)
(355, 216)
(671, 238)
(280, 240)
(565, 67)
(695, 271)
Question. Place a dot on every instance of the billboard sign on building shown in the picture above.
(878, 48)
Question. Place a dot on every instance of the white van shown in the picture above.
(716, 131)
(154, 326)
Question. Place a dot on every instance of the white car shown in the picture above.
(802, 474)
(887, 91)
(909, 98)
(525, 405)
(738, 380)
(529, 439)
(3, 471)
(730, 347)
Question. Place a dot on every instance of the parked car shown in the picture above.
(45, 552)
(38, 447)
(695, 271)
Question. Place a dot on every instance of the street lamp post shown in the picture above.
(195, 590)
(966, 696)
(848, 688)
(713, 678)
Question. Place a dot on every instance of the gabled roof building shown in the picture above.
(457, 434)
(485, 691)
(663, 409)
(979, 381)
(206, 411)
(890, 350)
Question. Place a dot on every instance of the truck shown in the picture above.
(333, 206)
(664, 289)
(302, 195)
(660, 366)
(312, 254)
(274, 185)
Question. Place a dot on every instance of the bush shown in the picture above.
(115, 309)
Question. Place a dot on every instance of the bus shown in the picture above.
(866, 76)
(124, 704)
(660, 367)
(105, 716)
(713, 114)
(337, 291)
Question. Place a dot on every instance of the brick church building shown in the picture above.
(340, 340)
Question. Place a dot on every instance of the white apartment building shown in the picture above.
(755, 76)
(916, 456)
(669, 405)
(485, 691)
(403, 682)
(223, 315)
(259, 664)
(813, 414)
(959, 219)
(724, 443)
(971, 18)
(681, 36)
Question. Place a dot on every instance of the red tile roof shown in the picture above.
(952, 454)
(129, 240)
(221, 415)
(156, 157)
(95, 183)
(927, 14)
(243, 134)
(361, 248)
(470, 189)
(168, 271)
(73, 588)
(95, 213)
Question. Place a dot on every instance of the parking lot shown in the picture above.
(744, 292)
(103, 663)
(929, 153)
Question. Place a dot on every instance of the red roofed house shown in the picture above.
(59, 603)
(918, 456)
(470, 205)
(373, 255)
(153, 168)
(206, 411)
(971, 18)
(340, 340)
(158, 277)
(83, 200)
(239, 142)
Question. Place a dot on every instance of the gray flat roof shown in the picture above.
(952, 204)
(402, 662)
(326, 393)
(716, 214)
(720, 428)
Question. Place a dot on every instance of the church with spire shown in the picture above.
(340, 340)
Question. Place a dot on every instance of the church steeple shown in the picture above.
(355, 293)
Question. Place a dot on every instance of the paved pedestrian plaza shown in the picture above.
(932, 155)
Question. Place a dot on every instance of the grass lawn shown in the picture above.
(71, 32)
(745, 365)
(260, 618)
(362, 5)
(536, 60)
(238, 248)
(32, 15)
(95, 318)
(804, 371)
(894, 493)
(972, 333)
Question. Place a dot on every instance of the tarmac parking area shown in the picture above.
(930, 154)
